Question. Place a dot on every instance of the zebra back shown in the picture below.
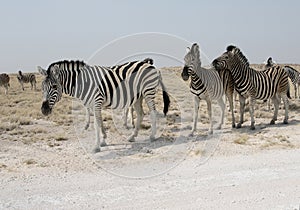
(116, 87)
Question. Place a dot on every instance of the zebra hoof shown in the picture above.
(233, 125)
(152, 138)
(131, 139)
(103, 144)
(86, 127)
(239, 125)
(96, 150)
(272, 122)
(285, 122)
(210, 132)
(252, 127)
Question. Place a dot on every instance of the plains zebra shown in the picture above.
(27, 78)
(293, 74)
(4, 81)
(205, 84)
(118, 69)
(270, 83)
(99, 87)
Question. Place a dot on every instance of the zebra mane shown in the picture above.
(238, 53)
(291, 68)
(20, 73)
(67, 63)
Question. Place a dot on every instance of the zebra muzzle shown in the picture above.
(46, 110)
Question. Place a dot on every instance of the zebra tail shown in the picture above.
(166, 102)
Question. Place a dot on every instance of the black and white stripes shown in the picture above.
(27, 78)
(205, 84)
(99, 87)
(270, 83)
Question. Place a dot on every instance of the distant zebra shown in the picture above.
(27, 78)
(99, 87)
(270, 83)
(293, 74)
(205, 84)
(4, 81)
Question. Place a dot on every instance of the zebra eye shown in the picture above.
(54, 87)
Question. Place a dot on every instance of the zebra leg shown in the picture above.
(276, 102)
(99, 123)
(222, 106)
(230, 99)
(125, 116)
(151, 106)
(251, 110)
(295, 88)
(6, 89)
(87, 118)
(195, 117)
(131, 113)
(208, 102)
(242, 100)
(22, 86)
(139, 113)
(286, 107)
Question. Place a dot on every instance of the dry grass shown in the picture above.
(241, 139)
(20, 111)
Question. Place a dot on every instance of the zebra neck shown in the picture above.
(67, 80)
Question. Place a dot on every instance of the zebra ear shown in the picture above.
(42, 71)
(188, 49)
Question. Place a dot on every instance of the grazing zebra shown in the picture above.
(99, 87)
(205, 84)
(293, 74)
(270, 83)
(27, 78)
(4, 81)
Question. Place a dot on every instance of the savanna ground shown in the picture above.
(46, 162)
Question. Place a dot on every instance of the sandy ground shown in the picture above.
(231, 169)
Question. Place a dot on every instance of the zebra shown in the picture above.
(100, 87)
(293, 74)
(118, 69)
(4, 81)
(26, 78)
(270, 83)
(126, 111)
(231, 94)
(205, 84)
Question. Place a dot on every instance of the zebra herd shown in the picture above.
(22, 78)
(128, 84)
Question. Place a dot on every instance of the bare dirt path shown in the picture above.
(265, 180)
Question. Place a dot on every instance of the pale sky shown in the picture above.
(35, 32)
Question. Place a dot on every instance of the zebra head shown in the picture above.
(51, 87)
(191, 61)
(20, 75)
(227, 59)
